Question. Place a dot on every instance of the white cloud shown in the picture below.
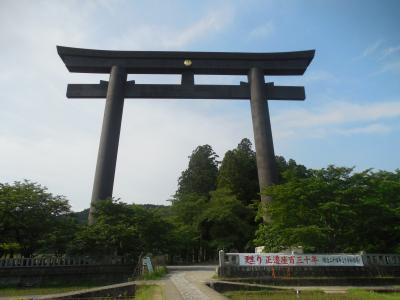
(311, 78)
(262, 31)
(371, 49)
(343, 118)
(319, 75)
(390, 51)
(392, 66)
(208, 25)
(375, 128)
(157, 37)
(386, 58)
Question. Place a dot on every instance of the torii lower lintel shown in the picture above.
(121, 63)
(180, 91)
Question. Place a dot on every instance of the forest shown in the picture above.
(216, 206)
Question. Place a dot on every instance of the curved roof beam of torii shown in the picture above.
(173, 62)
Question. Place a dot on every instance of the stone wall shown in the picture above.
(300, 271)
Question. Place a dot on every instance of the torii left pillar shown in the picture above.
(109, 140)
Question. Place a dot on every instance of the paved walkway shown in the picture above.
(188, 283)
(192, 285)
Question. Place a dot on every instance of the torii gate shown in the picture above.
(121, 63)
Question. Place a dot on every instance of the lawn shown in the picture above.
(158, 273)
(149, 292)
(311, 295)
(144, 292)
(12, 291)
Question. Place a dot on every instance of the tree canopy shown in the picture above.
(335, 210)
(200, 176)
(238, 172)
(216, 206)
(29, 216)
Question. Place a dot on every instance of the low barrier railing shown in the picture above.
(381, 259)
(63, 261)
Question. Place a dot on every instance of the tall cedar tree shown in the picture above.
(201, 175)
(191, 199)
(238, 172)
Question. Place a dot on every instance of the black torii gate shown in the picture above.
(121, 63)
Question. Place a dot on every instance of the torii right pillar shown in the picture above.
(265, 155)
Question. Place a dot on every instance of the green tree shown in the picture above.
(290, 170)
(189, 207)
(187, 210)
(28, 214)
(334, 210)
(184, 241)
(226, 222)
(191, 198)
(201, 175)
(122, 229)
(238, 172)
(377, 205)
(59, 237)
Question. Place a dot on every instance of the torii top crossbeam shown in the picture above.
(161, 62)
(188, 64)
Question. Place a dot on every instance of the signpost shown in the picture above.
(147, 263)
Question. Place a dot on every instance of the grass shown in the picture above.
(311, 295)
(370, 295)
(55, 288)
(158, 273)
(12, 291)
(149, 292)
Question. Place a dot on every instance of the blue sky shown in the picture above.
(350, 117)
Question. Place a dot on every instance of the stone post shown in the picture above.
(108, 148)
(221, 259)
(266, 166)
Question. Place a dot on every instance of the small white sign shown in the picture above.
(148, 264)
(307, 260)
